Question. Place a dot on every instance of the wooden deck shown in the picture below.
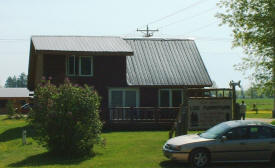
(141, 118)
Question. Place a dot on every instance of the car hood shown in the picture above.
(187, 139)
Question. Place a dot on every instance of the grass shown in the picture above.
(264, 107)
(123, 149)
(261, 114)
(261, 104)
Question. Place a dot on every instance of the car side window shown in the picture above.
(260, 132)
(237, 133)
(273, 133)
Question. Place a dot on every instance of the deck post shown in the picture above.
(183, 118)
(156, 114)
(132, 113)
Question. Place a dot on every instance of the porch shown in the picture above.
(141, 118)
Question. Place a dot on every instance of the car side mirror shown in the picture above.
(223, 138)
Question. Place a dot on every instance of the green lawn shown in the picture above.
(261, 104)
(264, 107)
(123, 149)
(261, 114)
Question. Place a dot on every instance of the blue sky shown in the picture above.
(175, 19)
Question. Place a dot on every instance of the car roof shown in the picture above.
(238, 123)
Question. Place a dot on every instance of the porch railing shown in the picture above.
(145, 114)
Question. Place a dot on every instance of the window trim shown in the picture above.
(123, 95)
(170, 95)
(67, 65)
(79, 65)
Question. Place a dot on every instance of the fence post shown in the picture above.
(156, 114)
(183, 122)
(131, 113)
(24, 137)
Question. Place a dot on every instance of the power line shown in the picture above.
(4, 40)
(170, 15)
(187, 18)
(11, 39)
(202, 27)
(178, 11)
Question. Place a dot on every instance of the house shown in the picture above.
(19, 97)
(146, 73)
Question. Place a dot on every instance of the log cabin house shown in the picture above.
(139, 79)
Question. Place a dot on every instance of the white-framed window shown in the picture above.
(170, 97)
(123, 97)
(79, 65)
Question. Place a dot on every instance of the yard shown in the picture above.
(123, 149)
(264, 106)
(261, 104)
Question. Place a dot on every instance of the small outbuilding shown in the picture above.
(19, 97)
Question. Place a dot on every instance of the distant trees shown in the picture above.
(17, 82)
(254, 92)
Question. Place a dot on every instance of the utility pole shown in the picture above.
(148, 32)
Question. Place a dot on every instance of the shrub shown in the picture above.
(273, 123)
(10, 109)
(66, 118)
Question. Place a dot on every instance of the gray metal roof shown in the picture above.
(165, 62)
(92, 44)
(14, 92)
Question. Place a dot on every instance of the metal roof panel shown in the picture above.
(165, 62)
(96, 44)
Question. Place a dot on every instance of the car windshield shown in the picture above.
(215, 131)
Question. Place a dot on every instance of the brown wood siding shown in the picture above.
(149, 97)
(54, 67)
(31, 70)
(108, 71)
(17, 103)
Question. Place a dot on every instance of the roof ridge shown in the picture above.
(157, 39)
(73, 36)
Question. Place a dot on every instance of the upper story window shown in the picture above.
(79, 66)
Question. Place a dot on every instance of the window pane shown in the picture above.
(130, 99)
(86, 65)
(265, 132)
(116, 99)
(164, 98)
(70, 65)
(260, 133)
(237, 134)
(76, 65)
(176, 98)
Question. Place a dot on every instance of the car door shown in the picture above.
(260, 143)
(233, 148)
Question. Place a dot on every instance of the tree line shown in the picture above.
(254, 93)
(19, 81)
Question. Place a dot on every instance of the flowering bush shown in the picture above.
(66, 118)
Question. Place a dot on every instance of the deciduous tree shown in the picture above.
(253, 25)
